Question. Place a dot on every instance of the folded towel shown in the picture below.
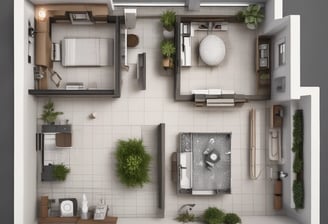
(214, 91)
(199, 91)
(227, 92)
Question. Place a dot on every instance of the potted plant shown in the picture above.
(60, 172)
(186, 217)
(56, 172)
(213, 215)
(49, 114)
(168, 22)
(132, 162)
(251, 16)
(231, 218)
(168, 50)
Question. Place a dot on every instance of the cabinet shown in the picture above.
(185, 36)
(48, 142)
(263, 65)
(77, 220)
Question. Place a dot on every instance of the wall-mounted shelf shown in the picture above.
(141, 71)
(263, 64)
(47, 220)
(62, 92)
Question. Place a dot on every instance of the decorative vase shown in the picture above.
(168, 34)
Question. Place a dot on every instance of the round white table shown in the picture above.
(212, 50)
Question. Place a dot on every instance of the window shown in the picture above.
(282, 53)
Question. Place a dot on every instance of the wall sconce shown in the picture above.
(42, 14)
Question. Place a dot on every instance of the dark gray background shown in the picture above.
(314, 62)
(6, 112)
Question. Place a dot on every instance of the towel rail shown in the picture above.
(252, 153)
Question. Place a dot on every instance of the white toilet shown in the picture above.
(212, 50)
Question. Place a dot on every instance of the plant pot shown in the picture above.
(46, 174)
(251, 26)
(168, 34)
(66, 128)
(166, 63)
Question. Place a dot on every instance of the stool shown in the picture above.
(132, 40)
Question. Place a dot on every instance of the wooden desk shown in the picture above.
(107, 220)
(77, 220)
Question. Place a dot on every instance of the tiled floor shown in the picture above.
(92, 159)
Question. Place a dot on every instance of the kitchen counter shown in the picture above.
(245, 220)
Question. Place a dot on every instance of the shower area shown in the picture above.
(204, 163)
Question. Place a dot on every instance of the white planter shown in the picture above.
(251, 26)
(168, 34)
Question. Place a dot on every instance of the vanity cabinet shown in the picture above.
(263, 65)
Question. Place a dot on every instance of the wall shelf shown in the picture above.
(263, 64)
(77, 220)
(62, 92)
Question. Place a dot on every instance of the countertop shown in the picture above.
(245, 219)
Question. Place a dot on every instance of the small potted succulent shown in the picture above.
(168, 22)
(167, 50)
(252, 16)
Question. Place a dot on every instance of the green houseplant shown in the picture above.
(298, 194)
(168, 22)
(297, 148)
(213, 215)
(60, 171)
(49, 114)
(186, 217)
(252, 16)
(167, 50)
(231, 218)
(132, 162)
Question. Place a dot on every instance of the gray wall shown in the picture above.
(7, 112)
(182, 1)
(314, 72)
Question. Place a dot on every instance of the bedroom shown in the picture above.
(77, 50)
